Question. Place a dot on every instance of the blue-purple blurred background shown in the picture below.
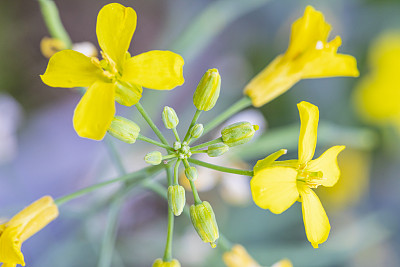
(41, 154)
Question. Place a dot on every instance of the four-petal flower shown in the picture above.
(276, 185)
(118, 76)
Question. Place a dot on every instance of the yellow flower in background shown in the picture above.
(308, 56)
(276, 185)
(377, 95)
(239, 257)
(353, 184)
(22, 226)
(118, 76)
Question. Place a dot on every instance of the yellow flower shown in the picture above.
(377, 95)
(238, 257)
(117, 76)
(308, 56)
(22, 226)
(283, 263)
(276, 185)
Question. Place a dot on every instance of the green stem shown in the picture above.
(53, 22)
(196, 196)
(218, 140)
(194, 120)
(115, 156)
(243, 103)
(151, 123)
(221, 168)
(199, 151)
(168, 246)
(169, 156)
(176, 135)
(176, 172)
(131, 177)
(154, 142)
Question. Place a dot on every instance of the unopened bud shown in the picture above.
(191, 173)
(217, 150)
(203, 220)
(207, 91)
(176, 199)
(161, 263)
(153, 158)
(124, 130)
(238, 133)
(169, 118)
(197, 130)
(177, 145)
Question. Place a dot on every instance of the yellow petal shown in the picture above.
(238, 257)
(161, 70)
(309, 116)
(95, 111)
(10, 247)
(325, 62)
(306, 32)
(115, 27)
(69, 69)
(264, 163)
(271, 82)
(275, 188)
(327, 164)
(315, 220)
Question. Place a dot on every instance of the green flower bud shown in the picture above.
(124, 130)
(176, 199)
(161, 263)
(217, 150)
(197, 130)
(203, 220)
(177, 145)
(238, 133)
(169, 118)
(191, 173)
(207, 91)
(153, 158)
(128, 95)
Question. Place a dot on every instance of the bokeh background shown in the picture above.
(41, 154)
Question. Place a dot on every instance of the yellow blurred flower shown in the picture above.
(117, 76)
(50, 46)
(22, 226)
(353, 183)
(276, 185)
(377, 94)
(308, 56)
(238, 257)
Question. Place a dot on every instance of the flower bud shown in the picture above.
(197, 130)
(238, 133)
(191, 173)
(176, 199)
(124, 129)
(203, 220)
(169, 118)
(177, 145)
(161, 263)
(207, 91)
(153, 158)
(217, 150)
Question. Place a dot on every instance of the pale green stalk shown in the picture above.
(194, 120)
(209, 143)
(221, 168)
(170, 232)
(154, 142)
(151, 123)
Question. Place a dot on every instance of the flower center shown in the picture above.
(311, 179)
(108, 66)
(182, 150)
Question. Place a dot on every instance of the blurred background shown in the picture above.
(41, 154)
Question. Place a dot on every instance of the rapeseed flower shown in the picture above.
(118, 76)
(22, 226)
(308, 56)
(377, 94)
(276, 185)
